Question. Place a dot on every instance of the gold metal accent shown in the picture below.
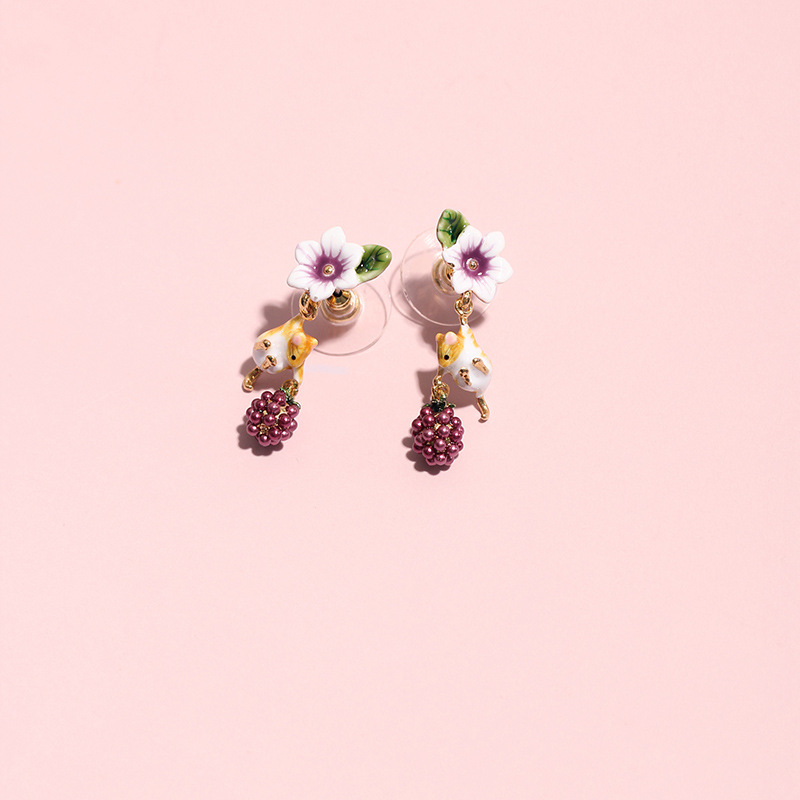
(291, 387)
(262, 344)
(328, 269)
(472, 264)
(308, 307)
(440, 390)
(464, 373)
(442, 273)
(463, 307)
(249, 379)
(478, 364)
(484, 407)
(343, 308)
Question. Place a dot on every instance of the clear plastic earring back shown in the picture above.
(425, 284)
(353, 321)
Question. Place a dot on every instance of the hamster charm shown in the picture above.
(461, 357)
(286, 347)
(469, 265)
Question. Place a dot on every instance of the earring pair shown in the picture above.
(464, 265)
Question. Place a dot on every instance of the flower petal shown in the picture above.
(499, 270)
(321, 290)
(461, 281)
(469, 240)
(350, 256)
(484, 288)
(453, 255)
(301, 277)
(308, 252)
(347, 280)
(332, 241)
(492, 244)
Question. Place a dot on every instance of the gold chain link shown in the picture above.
(291, 387)
(463, 307)
(440, 390)
(308, 308)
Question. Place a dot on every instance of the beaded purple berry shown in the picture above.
(272, 418)
(437, 434)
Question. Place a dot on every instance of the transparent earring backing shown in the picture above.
(354, 311)
(425, 280)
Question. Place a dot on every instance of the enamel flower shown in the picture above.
(477, 266)
(326, 266)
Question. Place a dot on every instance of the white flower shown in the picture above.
(326, 265)
(477, 267)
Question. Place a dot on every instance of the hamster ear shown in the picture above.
(450, 338)
(312, 342)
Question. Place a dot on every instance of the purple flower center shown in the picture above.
(474, 263)
(328, 268)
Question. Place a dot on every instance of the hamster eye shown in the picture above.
(447, 358)
(294, 358)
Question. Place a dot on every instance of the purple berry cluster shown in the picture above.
(271, 418)
(437, 435)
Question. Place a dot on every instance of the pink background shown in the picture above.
(599, 600)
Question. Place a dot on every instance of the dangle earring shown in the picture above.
(328, 273)
(468, 268)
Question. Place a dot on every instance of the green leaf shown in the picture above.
(450, 225)
(374, 261)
